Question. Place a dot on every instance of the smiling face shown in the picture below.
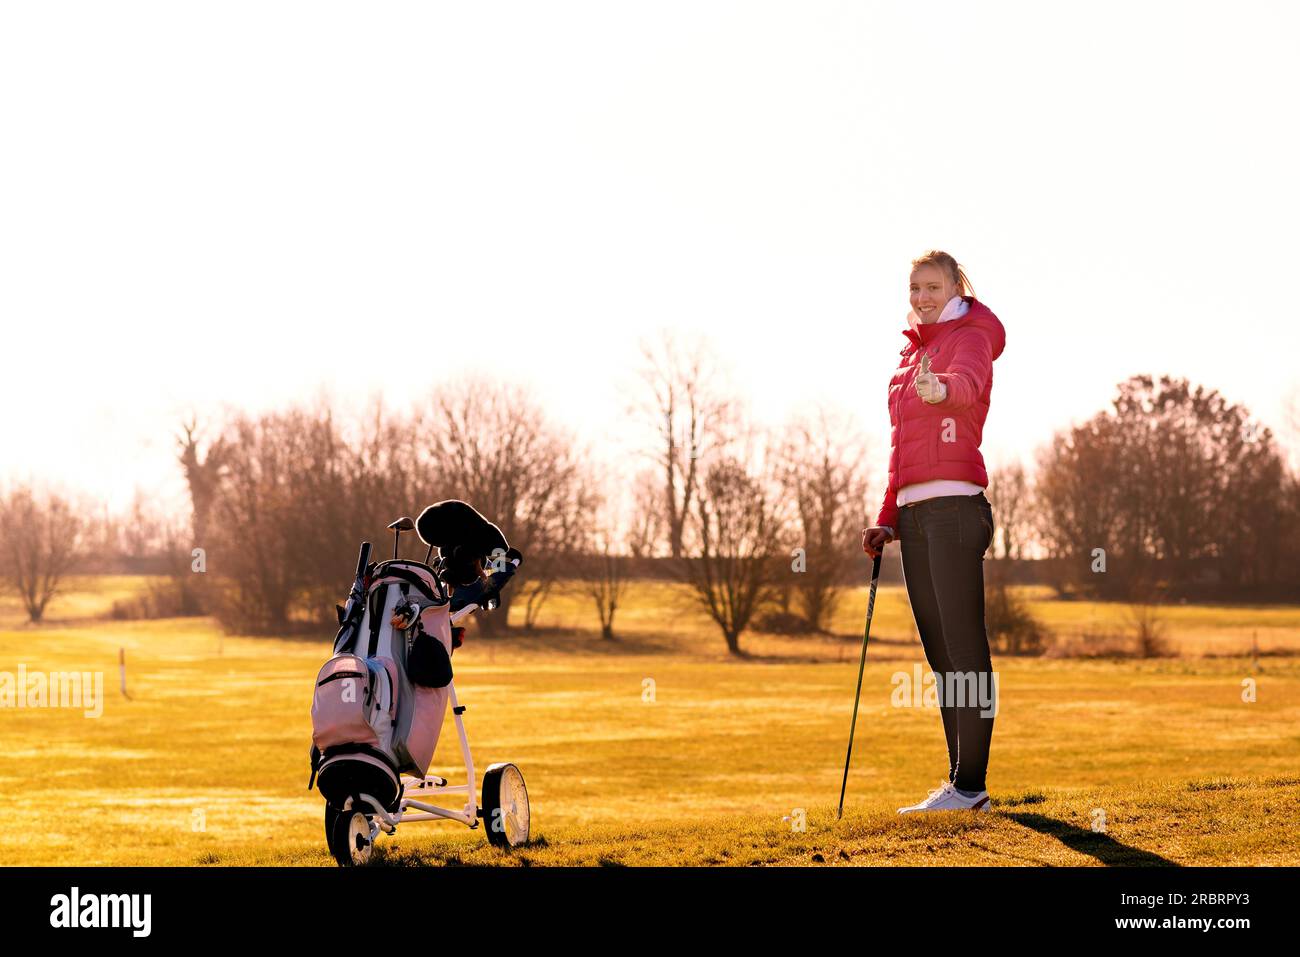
(931, 289)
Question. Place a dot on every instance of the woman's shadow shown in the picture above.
(1099, 845)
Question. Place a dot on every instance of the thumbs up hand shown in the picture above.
(928, 386)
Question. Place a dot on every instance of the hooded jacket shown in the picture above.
(942, 440)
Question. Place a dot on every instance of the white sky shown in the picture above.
(250, 202)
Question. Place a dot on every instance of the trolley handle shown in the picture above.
(468, 610)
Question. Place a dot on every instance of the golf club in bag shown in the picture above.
(862, 663)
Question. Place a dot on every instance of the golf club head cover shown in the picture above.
(463, 537)
(508, 566)
(485, 590)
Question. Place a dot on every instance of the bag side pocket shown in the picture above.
(342, 703)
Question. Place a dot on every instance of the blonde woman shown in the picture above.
(934, 506)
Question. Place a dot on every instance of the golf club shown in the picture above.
(403, 524)
(871, 605)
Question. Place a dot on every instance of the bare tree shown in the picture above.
(1174, 474)
(647, 528)
(1076, 512)
(1011, 495)
(390, 470)
(689, 418)
(179, 593)
(103, 539)
(604, 566)
(1012, 627)
(40, 541)
(176, 592)
(736, 567)
(502, 455)
(144, 530)
(202, 474)
(285, 497)
(822, 476)
(257, 519)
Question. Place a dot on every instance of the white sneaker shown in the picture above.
(935, 795)
(948, 798)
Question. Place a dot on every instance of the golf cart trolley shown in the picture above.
(381, 699)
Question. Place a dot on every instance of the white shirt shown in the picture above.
(955, 308)
(920, 491)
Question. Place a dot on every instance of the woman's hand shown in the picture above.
(928, 386)
(875, 538)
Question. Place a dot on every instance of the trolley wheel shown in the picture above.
(505, 806)
(348, 835)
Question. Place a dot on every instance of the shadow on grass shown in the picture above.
(1104, 848)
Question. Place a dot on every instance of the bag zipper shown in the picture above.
(339, 674)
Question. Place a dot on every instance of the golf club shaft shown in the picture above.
(862, 663)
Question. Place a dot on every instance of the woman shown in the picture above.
(935, 506)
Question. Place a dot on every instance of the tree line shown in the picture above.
(1171, 491)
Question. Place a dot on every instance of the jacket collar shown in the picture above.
(921, 334)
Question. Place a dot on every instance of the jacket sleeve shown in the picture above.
(968, 373)
(888, 514)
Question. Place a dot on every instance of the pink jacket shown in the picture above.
(942, 441)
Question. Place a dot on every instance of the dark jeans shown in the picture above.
(943, 542)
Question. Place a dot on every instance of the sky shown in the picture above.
(246, 205)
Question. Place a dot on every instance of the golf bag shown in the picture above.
(380, 701)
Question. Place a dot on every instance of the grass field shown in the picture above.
(207, 761)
